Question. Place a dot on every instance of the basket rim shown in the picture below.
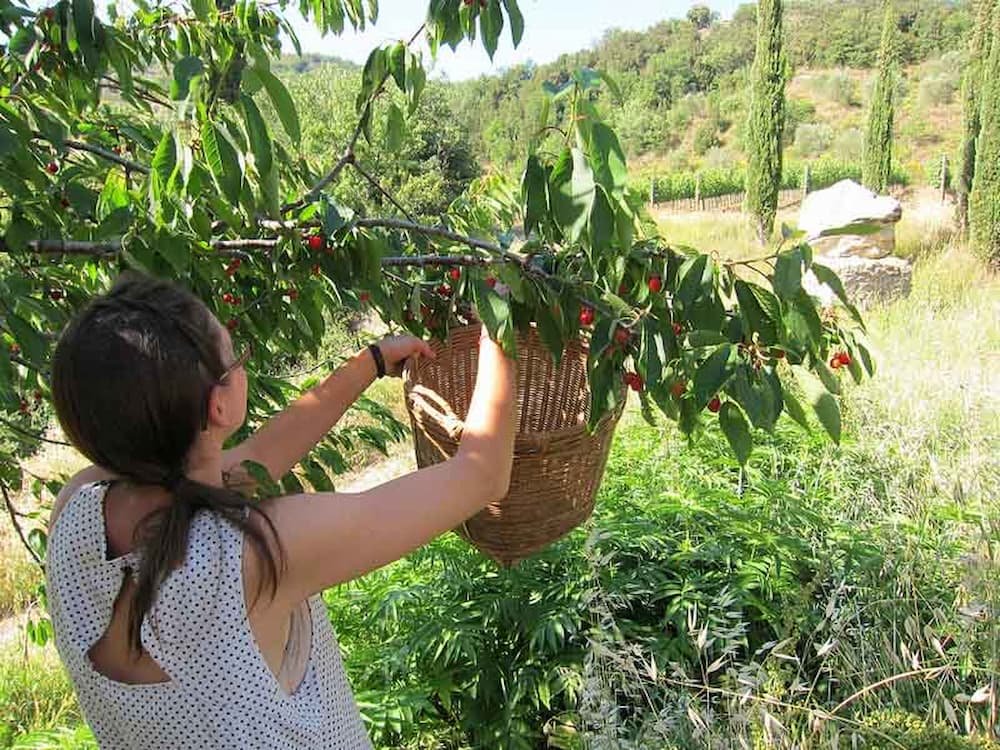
(530, 438)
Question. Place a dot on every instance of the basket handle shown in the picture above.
(426, 402)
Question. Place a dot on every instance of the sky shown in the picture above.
(552, 27)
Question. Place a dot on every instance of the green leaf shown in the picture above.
(416, 80)
(549, 329)
(694, 278)
(572, 192)
(491, 25)
(516, 21)
(395, 59)
(29, 339)
(612, 84)
(184, 70)
(394, 129)
(534, 193)
(608, 159)
(822, 402)
(788, 274)
(757, 396)
(794, 408)
(830, 381)
(260, 140)
(602, 390)
(760, 309)
(653, 353)
(222, 161)
(737, 431)
(493, 310)
(829, 277)
(283, 104)
(601, 223)
(712, 375)
(164, 160)
(175, 250)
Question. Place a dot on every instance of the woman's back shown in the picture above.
(203, 680)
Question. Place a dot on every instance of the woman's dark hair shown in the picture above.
(131, 378)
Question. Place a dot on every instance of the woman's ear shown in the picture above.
(223, 412)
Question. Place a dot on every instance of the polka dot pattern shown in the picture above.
(221, 693)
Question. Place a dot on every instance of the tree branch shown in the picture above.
(67, 247)
(375, 184)
(13, 519)
(30, 435)
(348, 155)
(444, 261)
(109, 155)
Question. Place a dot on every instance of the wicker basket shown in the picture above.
(557, 464)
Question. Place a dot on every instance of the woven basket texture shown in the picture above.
(558, 465)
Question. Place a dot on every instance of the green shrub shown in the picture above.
(910, 732)
(812, 139)
(837, 87)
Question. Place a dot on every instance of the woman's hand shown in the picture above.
(397, 349)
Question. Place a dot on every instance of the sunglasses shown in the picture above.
(238, 363)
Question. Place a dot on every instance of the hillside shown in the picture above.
(684, 93)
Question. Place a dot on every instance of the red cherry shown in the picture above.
(622, 336)
(491, 282)
(586, 316)
(715, 405)
(23, 406)
(315, 270)
(678, 388)
(232, 324)
(55, 295)
(622, 289)
(678, 329)
(455, 274)
(228, 298)
(15, 349)
(316, 242)
(293, 294)
(635, 381)
(38, 395)
(835, 363)
(655, 284)
(364, 297)
(48, 14)
(444, 290)
(51, 167)
(778, 353)
(845, 358)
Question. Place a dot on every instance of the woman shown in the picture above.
(187, 616)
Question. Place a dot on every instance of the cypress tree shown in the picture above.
(766, 119)
(984, 201)
(972, 83)
(878, 142)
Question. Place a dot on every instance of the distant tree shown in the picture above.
(984, 201)
(701, 16)
(766, 120)
(971, 105)
(878, 142)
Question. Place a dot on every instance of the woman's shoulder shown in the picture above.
(83, 477)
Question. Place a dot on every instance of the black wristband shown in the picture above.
(379, 359)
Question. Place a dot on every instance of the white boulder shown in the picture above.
(849, 204)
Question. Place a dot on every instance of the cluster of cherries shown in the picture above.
(24, 407)
(470, 3)
(840, 359)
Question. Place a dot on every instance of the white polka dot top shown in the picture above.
(221, 693)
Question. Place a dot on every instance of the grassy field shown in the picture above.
(828, 594)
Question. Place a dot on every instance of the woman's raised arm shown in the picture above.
(287, 437)
(330, 538)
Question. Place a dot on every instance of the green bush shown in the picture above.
(812, 139)
(837, 87)
(910, 732)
